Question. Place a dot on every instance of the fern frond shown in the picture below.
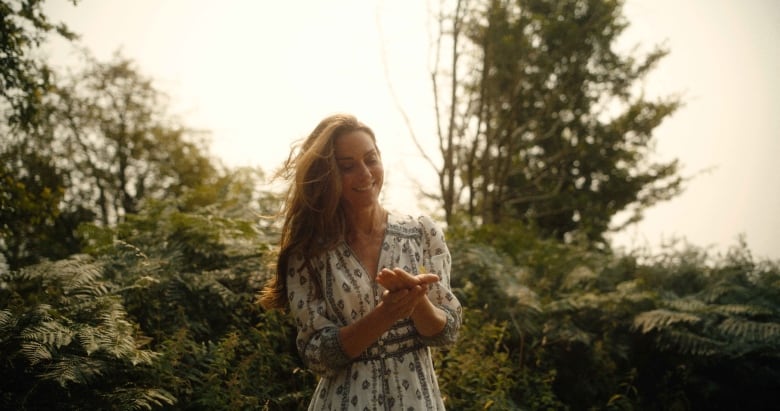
(722, 291)
(632, 292)
(740, 309)
(145, 357)
(88, 290)
(88, 338)
(689, 344)
(750, 331)
(7, 321)
(35, 352)
(49, 333)
(686, 304)
(581, 277)
(141, 398)
(117, 339)
(73, 369)
(661, 319)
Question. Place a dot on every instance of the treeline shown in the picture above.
(130, 258)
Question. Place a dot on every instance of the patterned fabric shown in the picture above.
(396, 372)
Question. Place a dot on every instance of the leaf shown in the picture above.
(767, 333)
(661, 319)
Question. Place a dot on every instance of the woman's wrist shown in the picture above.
(428, 319)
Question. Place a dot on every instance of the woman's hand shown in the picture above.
(398, 279)
(406, 296)
(400, 304)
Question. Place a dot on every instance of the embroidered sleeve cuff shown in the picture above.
(332, 353)
(448, 335)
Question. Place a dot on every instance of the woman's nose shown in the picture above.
(364, 170)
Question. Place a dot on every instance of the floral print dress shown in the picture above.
(396, 372)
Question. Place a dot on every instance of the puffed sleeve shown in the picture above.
(437, 260)
(318, 340)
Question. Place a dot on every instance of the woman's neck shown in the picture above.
(367, 222)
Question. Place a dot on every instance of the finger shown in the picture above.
(413, 295)
(402, 273)
(406, 277)
(427, 278)
(394, 297)
(388, 280)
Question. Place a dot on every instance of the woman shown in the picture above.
(369, 289)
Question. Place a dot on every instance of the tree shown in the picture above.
(102, 142)
(542, 121)
(31, 222)
(110, 129)
(24, 79)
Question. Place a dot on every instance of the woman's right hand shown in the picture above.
(400, 304)
(398, 279)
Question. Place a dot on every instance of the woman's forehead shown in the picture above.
(356, 143)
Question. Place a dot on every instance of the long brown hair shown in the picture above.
(314, 220)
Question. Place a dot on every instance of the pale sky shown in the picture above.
(261, 74)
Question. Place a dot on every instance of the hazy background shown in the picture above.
(260, 75)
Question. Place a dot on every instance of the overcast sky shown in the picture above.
(261, 74)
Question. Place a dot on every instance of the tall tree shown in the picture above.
(31, 186)
(110, 129)
(24, 78)
(542, 120)
(102, 141)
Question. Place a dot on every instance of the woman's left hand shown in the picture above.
(401, 303)
(397, 279)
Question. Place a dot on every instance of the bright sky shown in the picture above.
(260, 75)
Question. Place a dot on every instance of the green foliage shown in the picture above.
(112, 125)
(184, 273)
(543, 121)
(24, 79)
(725, 311)
(65, 333)
(156, 306)
(593, 330)
(477, 373)
(31, 185)
(202, 259)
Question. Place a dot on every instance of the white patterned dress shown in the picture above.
(396, 372)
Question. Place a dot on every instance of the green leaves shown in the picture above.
(64, 324)
(544, 123)
(612, 331)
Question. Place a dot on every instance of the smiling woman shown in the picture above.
(352, 275)
(362, 173)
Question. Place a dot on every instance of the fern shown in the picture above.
(750, 331)
(743, 310)
(7, 322)
(133, 399)
(661, 319)
(580, 277)
(76, 335)
(73, 369)
(685, 304)
(689, 343)
(39, 341)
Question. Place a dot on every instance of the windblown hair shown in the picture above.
(314, 220)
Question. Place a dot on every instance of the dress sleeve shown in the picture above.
(437, 260)
(318, 340)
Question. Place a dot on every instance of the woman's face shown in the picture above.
(361, 170)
